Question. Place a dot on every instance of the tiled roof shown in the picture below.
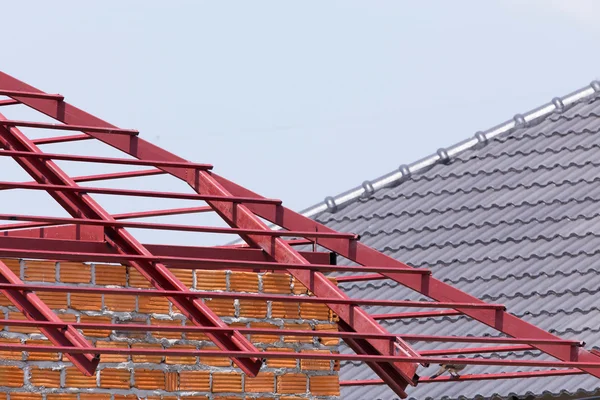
(515, 221)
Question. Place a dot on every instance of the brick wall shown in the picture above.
(49, 376)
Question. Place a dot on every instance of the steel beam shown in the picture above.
(34, 309)
(417, 314)
(397, 375)
(102, 160)
(79, 204)
(63, 127)
(61, 139)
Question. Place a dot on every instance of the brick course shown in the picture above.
(49, 376)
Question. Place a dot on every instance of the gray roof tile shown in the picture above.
(514, 222)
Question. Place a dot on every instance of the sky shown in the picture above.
(295, 100)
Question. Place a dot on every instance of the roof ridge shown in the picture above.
(444, 155)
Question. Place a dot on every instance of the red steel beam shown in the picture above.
(303, 356)
(397, 375)
(105, 177)
(82, 128)
(159, 250)
(102, 160)
(417, 314)
(429, 286)
(476, 350)
(278, 298)
(300, 332)
(132, 215)
(35, 309)
(476, 377)
(360, 278)
(35, 94)
(136, 193)
(61, 139)
(8, 103)
(171, 227)
(207, 263)
(79, 204)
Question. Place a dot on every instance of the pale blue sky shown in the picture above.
(307, 99)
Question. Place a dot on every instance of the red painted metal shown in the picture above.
(82, 128)
(61, 139)
(78, 203)
(279, 298)
(102, 160)
(33, 94)
(8, 103)
(304, 355)
(171, 227)
(360, 278)
(417, 314)
(34, 309)
(94, 235)
(476, 377)
(301, 332)
(234, 256)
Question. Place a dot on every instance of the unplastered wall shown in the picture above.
(49, 376)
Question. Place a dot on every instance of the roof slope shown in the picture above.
(516, 221)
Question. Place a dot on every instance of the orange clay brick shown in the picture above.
(25, 396)
(11, 355)
(153, 305)
(243, 282)
(291, 383)
(149, 379)
(299, 288)
(75, 379)
(54, 300)
(197, 381)
(198, 398)
(277, 283)
(4, 301)
(302, 339)
(115, 275)
(328, 341)
(40, 271)
(281, 362)
(189, 359)
(94, 396)
(137, 280)
(45, 377)
(163, 322)
(133, 321)
(171, 381)
(285, 310)
(194, 335)
(116, 302)
(186, 276)
(214, 361)
(211, 280)
(60, 396)
(75, 272)
(86, 301)
(95, 320)
(126, 397)
(221, 307)
(261, 338)
(253, 308)
(226, 382)
(315, 365)
(146, 358)
(13, 265)
(39, 356)
(105, 358)
(20, 329)
(314, 311)
(325, 385)
(113, 378)
(264, 382)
